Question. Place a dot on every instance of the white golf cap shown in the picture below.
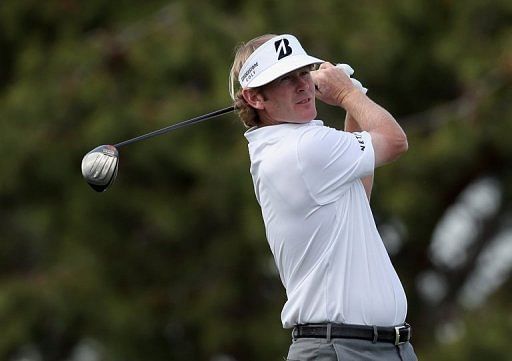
(274, 58)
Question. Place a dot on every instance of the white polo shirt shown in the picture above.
(320, 227)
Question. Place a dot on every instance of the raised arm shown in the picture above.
(334, 87)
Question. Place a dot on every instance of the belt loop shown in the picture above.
(329, 326)
(295, 333)
(375, 334)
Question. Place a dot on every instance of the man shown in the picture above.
(313, 183)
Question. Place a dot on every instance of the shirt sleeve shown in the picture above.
(330, 160)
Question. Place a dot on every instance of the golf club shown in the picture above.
(99, 166)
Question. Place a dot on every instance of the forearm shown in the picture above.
(351, 124)
(368, 115)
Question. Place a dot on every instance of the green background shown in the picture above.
(171, 263)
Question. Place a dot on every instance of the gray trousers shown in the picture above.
(342, 349)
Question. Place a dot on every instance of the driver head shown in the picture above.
(99, 167)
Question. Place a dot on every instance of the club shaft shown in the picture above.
(176, 126)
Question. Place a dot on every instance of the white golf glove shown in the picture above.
(347, 69)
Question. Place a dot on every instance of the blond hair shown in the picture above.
(248, 115)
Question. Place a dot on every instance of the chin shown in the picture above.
(310, 116)
(302, 121)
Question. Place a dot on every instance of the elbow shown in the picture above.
(400, 145)
(390, 145)
(396, 147)
(403, 144)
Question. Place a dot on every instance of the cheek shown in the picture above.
(311, 82)
(277, 100)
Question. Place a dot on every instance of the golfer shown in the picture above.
(313, 183)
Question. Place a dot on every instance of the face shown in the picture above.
(290, 99)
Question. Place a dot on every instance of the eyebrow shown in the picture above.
(307, 67)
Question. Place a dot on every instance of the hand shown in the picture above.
(347, 69)
(332, 84)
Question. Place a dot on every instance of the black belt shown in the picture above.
(395, 335)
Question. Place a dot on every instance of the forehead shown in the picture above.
(307, 68)
(299, 70)
(276, 83)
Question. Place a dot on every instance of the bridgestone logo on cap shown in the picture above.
(250, 72)
(283, 48)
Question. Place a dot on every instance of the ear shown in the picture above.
(254, 98)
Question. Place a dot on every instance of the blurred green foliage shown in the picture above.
(172, 262)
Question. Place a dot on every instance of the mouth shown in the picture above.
(304, 101)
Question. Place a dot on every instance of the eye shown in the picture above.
(305, 71)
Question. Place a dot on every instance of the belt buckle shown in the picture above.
(295, 332)
(398, 340)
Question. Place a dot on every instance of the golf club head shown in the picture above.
(99, 167)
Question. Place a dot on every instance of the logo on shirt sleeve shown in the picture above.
(360, 140)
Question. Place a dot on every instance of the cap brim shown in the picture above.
(283, 67)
